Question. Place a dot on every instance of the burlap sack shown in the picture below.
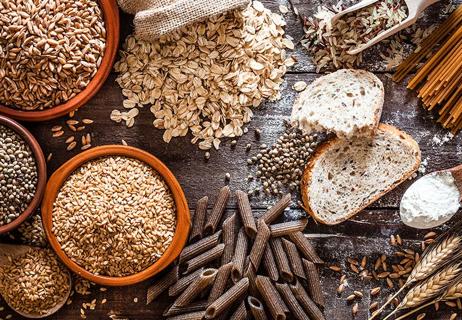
(154, 18)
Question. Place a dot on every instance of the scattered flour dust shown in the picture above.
(430, 201)
(440, 140)
(423, 166)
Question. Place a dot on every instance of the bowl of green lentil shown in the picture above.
(22, 174)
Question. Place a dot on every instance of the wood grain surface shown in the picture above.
(367, 234)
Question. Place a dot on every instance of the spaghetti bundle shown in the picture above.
(438, 81)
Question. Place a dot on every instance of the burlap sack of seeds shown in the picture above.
(154, 18)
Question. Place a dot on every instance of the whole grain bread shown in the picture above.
(346, 102)
(345, 176)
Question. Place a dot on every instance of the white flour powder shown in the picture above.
(430, 201)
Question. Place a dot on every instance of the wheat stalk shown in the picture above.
(454, 291)
(434, 257)
(429, 288)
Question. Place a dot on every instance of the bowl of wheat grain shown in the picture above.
(115, 215)
(55, 55)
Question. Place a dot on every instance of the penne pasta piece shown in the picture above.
(182, 283)
(275, 211)
(227, 299)
(199, 219)
(230, 230)
(281, 260)
(162, 284)
(256, 308)
(204, 258)
(305, 247)
(251, 274)
(196, 287)
(240, 313)
(246, 213)
(198, 315)
(289, 298)
(240, 253)
(259, 245)
(199, 247)
(221, 281)
(196, 306)
(217, 211)
(302, 297)
(271, 297)
(286, 228)
(314, 283)
(269, 263)
(294, 258)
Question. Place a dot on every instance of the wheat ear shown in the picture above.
(454, 291)
(432, 258)
(429, 288)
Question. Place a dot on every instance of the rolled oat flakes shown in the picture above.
(206, 78)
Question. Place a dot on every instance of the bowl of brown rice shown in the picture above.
(115, 215)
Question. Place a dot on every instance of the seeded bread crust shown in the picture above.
(306, 182)
(353, 98)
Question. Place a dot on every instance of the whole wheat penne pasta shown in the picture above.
(269, 263)
(275, 211)
(240, 313)
(162, 284)
(302, 297)
(259, 245)
(240, 253)
(199, 247)
(251, 274)
(195, 306)
(182, 283)
(220, 283)
(199, 219)
(197, 315)
(305, 247)
(314, 283)
(196, 287)
(281, 259)
(204, 258)
(230, 230)
(294, 258)
(256, 308)
(227, 299)
(271, 297)
(217, 211)
(246, 213)
(289, 298)
(286, 228)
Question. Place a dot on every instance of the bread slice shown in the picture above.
(345, 176)
(346, 102)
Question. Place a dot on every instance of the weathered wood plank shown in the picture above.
(199, 177)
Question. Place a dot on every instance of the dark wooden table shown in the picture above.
(367, 234)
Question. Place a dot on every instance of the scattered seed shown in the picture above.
(85, 147)
(373, 305)
(58, 134)
(50, 155)
(71, 146)
(56, 128)
(351, 297)
(375, 291)
(87, 121)
(354, 309)
(335, 268)
(70, 139)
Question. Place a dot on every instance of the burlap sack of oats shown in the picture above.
(154, 18)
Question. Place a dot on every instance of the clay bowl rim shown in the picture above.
(183, 215)
(112, 23)
(41, 172)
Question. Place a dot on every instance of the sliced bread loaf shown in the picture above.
(345, 176)
(346, 102)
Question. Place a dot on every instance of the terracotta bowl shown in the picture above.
(112, 23)
(183, 217)
(41, 172)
